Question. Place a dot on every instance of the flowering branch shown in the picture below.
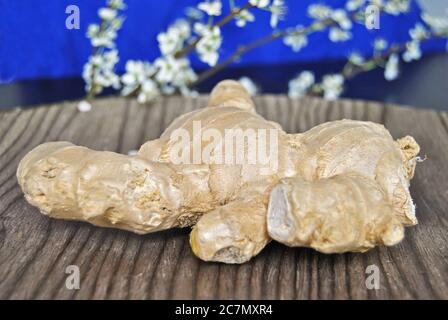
(99, 70)
(241, 50)
(234, 13)
(172, 73)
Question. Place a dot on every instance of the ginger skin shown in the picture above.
(341, 186)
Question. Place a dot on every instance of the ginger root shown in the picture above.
(341, 186)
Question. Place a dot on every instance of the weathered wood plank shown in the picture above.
(35, 250)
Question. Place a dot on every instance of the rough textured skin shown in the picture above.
(235, 232)
(366, 148)
(229, 202)
(346, 212)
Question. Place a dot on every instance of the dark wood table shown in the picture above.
(35, 250)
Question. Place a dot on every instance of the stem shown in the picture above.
(91, 93)
(185, 51)
(350, 71)
(254, 45)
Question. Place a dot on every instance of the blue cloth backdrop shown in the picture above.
(35, 44)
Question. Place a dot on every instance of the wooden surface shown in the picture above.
(35, 250)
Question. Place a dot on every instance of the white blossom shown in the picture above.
(93, 30)
(396, 7)
(437, 24)
(353, 5)
(107, 14)
(392, 68)
(84, 106)
(167, 67)
(278, 12)
(185, 75)
(249, 85)
(319, 11)
(137, 72)
(419, 32)
(332, 85)
(212, 8)
(148, 91)
(211, 40)
(243, 17)
(356, 59)
(340, 16)
(259, 3)
(101, 38)
(116, 4)
(173, 39)
(339, 35)
(183, 28)
(99, 71)
(380, 44)
(300, 85)
(296, 39)
(412, 52)
(173, 73)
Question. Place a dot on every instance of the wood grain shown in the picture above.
(35, 250)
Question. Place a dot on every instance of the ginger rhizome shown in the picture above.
(341, 186)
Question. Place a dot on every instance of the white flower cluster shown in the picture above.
(343, 24)
(332, 86)
(174, 38)
(139, 76)
(340, 33)
(300, 85)
(278, 12)
(209, 43)
(413, 52)
(392, 67)
(99, 71)
(243, 18)
(296, 38)
(394, 7)
(212, 8)
(438, 25)
(277, 9)
(353, 5)
(356, 59)
(259, 3)
(379, 44)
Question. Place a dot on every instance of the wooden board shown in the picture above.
(35, 250)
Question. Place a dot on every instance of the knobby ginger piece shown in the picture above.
(343, 213)
(112, 190)
(229, 203)
(365, 148)
(235, 232)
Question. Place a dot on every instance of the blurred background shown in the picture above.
(41, 61)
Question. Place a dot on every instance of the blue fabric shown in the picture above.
(34, 42)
